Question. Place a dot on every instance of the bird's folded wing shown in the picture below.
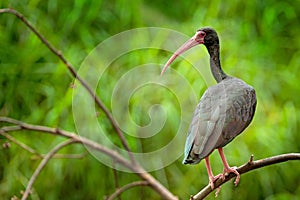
(206, 127)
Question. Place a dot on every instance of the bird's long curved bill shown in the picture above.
(186, 46)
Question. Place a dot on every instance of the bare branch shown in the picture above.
(134, 167)
(75, 75)
(249, 166)
(22, 145)
(55, 131)
(119, 191)
(116, 179)
(42, 165)
(61, 156)
(38, 155)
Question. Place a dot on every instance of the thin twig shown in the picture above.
(119, 191)
(55, 131)
(249, 166)
(42, 165)
(61, 156)
(134, 167)
(36, 155)
(21, 144)
(116, 179)
(75, 75)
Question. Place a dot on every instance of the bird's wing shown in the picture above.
(239, 114)
(205, 128)
(223, 112)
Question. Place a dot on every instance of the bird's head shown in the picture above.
(207, 36)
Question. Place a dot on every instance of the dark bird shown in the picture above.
(223, 112)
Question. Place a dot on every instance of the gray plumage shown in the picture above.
(224, 111)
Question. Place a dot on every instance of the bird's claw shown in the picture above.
(229, 170)
(213, 179)
(218, 191)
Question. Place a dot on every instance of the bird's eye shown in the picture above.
(202, 34)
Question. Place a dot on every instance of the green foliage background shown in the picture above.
(260, 43)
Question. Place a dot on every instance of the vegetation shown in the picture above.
(259, 44)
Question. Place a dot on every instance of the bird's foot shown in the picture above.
(212, 180)
(229, 170)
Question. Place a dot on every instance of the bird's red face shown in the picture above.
(198, 38)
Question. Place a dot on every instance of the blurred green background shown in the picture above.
(260, 44)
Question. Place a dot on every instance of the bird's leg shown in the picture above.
(211, 177)
(227, 168)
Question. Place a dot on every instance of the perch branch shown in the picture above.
(134, 167)
(75, 75)
(119, 191)
(42, 165)
(249, 166)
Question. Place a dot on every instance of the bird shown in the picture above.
(225, 109)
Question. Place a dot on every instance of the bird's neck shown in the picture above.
(215, 65)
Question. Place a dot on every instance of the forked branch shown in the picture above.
(42, 165)
(134, 167)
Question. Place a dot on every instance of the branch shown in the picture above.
(37, 155)
(61, 156)
(119, 191)
(75, 75)
(42, 165)
(55, 131)
(22, 145)
(115, 173)
(134, 167)
(249, 166)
